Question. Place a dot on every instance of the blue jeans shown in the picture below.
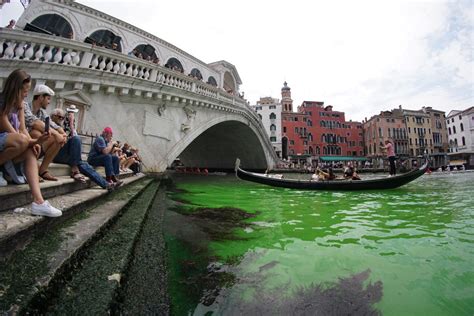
(110, 162)
(70, 154)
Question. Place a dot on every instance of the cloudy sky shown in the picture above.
(359, 56)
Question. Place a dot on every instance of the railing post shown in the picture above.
(86, 60)
(153, 75)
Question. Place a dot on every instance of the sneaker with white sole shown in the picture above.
(45, 209)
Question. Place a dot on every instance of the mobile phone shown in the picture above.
(46, 125)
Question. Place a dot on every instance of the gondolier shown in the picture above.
(390, 152)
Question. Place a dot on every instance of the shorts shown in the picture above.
(3, 140)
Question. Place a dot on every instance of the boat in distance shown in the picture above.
(338, 184)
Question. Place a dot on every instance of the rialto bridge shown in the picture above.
(155, 96)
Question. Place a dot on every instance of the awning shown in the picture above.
(342, 158)
(299, 156)
(457, 162)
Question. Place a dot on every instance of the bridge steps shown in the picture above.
(13, 196)
(30, 277)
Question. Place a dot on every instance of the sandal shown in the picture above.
(47, 176)
(76, 175)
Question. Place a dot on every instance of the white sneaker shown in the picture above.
(45, 209)
(3, 182)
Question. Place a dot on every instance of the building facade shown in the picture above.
(460, 126)
(386, 125)
(317, 132)
(418, 126)
(269, 111)
(413, 132)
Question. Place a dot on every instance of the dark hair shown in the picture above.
(12, 88)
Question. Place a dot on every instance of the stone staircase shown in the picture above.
(38, 253)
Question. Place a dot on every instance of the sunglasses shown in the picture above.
(60, 117)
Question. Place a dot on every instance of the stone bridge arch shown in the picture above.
(219, 142)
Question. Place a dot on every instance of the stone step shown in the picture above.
(30, 276)
(13, 196)
(58, 169)
(17, 228)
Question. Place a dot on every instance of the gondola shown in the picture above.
(343, 185)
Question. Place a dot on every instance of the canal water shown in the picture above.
(240, 248)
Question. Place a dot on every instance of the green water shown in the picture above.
(416, 240)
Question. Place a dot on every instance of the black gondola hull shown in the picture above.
(339, 185)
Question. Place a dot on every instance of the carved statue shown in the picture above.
(185, 128)
(190, 113)
(161, 109)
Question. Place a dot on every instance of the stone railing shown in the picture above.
(39, 48)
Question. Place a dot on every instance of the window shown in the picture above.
(292, 142)
(272, 107)
(149, 51)
(104, 38)
(212, 81)
(284, 129)
(463, 141)
(454, 129)
(174, 64)
(273, 139)
(52, 24)
(297, 130)
(273, 127)
(449, 130)
(195, 73)
(462, 127)
(273, 116)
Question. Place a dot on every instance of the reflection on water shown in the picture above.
(416, 240)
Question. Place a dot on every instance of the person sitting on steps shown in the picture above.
(16, 145)
(70, 153)
(102, 154)
(35, 117)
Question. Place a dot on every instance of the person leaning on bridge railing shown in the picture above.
(70, 153)
(16, 145)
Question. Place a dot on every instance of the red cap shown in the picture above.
(108, 130)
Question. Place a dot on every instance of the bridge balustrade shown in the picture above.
(39, 48)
